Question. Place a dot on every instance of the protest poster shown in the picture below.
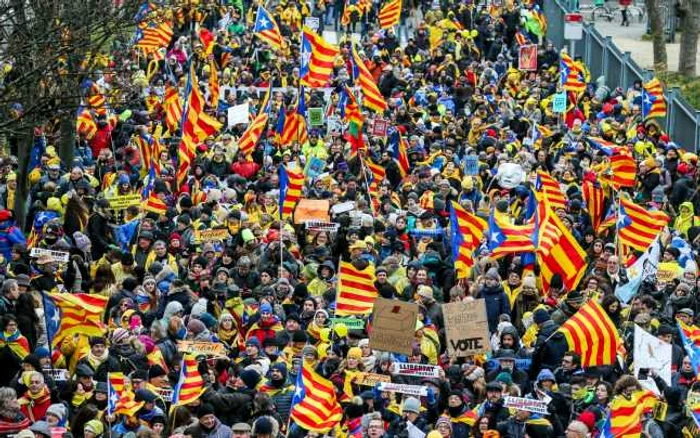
(58, 374)
(415, 369)
(651, 353)
(56, 256)
(471, 165)
(466, 328)
(379, 127)
(314, 167)
(312, 23)
(667, 271)
(414, 390)
(315, 116)
(371, 379)
(334, 126)
(312, 210)
(526, 404)
(394, 325)
(559, 102)
(527, 57)
(165, 394)
(202, 348)
(238, 115)
(123, 202)
(350, 323)
(210, 235)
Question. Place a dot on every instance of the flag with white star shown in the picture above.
(266, 28)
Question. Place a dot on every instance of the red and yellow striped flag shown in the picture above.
(622, 169)
(550, 190)
(592, 334)
(250, 137)
(373, 99)
(291, 184)
(626, 414)
(85, 124)
(390, 14)
(466, 232)
(657, 108)
(191, 385)
(69, 314)
(155, 37)
(127, 404)
(316, 71)
(357, 292)
(155, 205)
(173, 108)
(213, 85)
(638, 227)
(594, 196)
(314, 405)
(207, 39)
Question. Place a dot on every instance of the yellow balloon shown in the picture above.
(341, 330)
(325, 334)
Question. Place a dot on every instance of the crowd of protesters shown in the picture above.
(267, 292)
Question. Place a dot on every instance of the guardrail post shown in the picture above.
(606, 59)
(671, 115)
(587, 35)
(625, 68)
(697, 131)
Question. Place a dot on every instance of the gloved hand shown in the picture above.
(431, 396)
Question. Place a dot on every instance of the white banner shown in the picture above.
(56, 256)
(526, 404)
(415, 369)
(414, 390)
(58, 374)
(651, 353)
(238, 115)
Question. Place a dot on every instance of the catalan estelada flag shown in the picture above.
(653, 100)
(155, 205)
(605, 146)
(250, 137)
(294, 128)
(550, 190)
(191, 385)
(373, 99)
(398, 147)
(173, 108)
(506, 238)
(85, 124)
(266, 28)
(623, 169)
(150, 149)
(68, 314)
(154, 37)
(17, 343)
(116, 383)
(626, 414)
(592, 334)
(594, 197)
(466, 232)
(318, 57)
(637, 227)
(357, 293)
(314, 405)
(690, 338)
(571, 78)
(390, 14)
(291, 185)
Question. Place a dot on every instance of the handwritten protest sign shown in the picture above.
(414, 390)
(350, 323)
(559, 103)
(651, 353)
(415, 369)
(202, 348)
(166, 394)
(667, 271)
(466, 328)
(312, 209)
(238, 115)
(394, 326)
(371, 379)
(123, 202)
(316, 116)
(527, 57)
(526, 404)
(210, 235)
(56, 256)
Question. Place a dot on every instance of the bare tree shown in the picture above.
(689, 12)
(49, 44)
(656, 23)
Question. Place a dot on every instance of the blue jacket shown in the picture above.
(9, 235)
(496, 304)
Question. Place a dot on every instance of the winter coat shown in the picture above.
(496, 304)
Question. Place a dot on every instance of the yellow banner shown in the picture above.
(210, 235)
(124, 202)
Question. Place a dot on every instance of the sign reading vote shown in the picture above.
(467, 329)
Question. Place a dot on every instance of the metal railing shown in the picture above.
(604, 58)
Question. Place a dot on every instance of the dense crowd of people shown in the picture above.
(265, 292)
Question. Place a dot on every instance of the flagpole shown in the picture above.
(49, 338)
(364, 171)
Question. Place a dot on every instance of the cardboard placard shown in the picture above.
(414, 390)
(124, 202)
(210, 235)
(315, 116)
(379, 127)
(166, 394)
(667, 271)
(350, 323)
(312, 23)
(371, 379)
(527, 57)
(526, 404)
(56, 256)
(415, 369)
(394, 326)
(466, 328)
(202, 348)
(312, 210)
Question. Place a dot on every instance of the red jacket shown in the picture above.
(247, 169)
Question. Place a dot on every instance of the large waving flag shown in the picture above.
(214, 90)
(592, 334)
(373, 99)
(291, 185)
(505, 238)
(69, 314)
(398, 147)
(250, 137)
(550, 190)
(317, 59)
(646, 265)
(637, 227)
(626, 414)
(173, 108)
(127, 404)
(294, 128)
(622, 169)
(150, 149)
(155, 205)
(594, 197)
(357, 293)
(191, 385)
(116, 384)
(314, 405)
(690, 338)
(390, 14)
(571, 78)
(16, 342)
(466, 231)
(350, 111)
(155, 37)
(266, 28)
(653, 100)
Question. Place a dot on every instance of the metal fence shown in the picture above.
(604, 58)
